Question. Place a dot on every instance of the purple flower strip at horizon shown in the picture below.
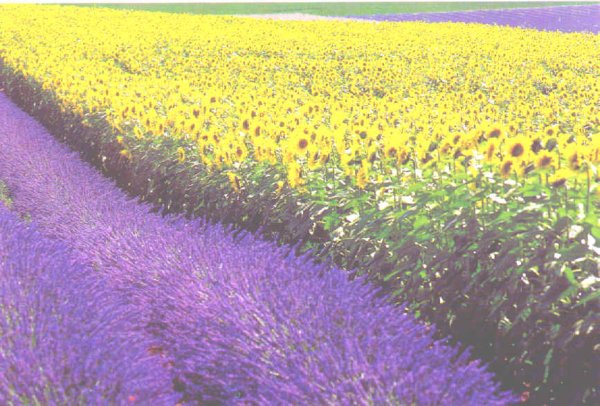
(64, 338)
(583, 18)
(238, 320)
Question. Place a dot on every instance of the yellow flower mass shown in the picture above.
(308, 95)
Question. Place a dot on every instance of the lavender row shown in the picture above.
(64, 337)
(235, 319)
(584, 18)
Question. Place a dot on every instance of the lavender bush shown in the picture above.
(584, 18)
(235, 319)
(64, 337)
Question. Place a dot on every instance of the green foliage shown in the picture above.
(509, 268)
(327, 9)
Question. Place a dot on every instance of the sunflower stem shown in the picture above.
(587, 190)
(395, 186)
(566, 200)
(567, 213)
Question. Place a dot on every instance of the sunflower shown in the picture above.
(545, 160)
(125, 153)
(495, 132)
(506, 167)
(181, 155)
(573, 157)
(559, 178)
(536, 145)
(294, 174)
(139, 134)
(241, 153)
(362, 176)
(280, 186)
(391, 152)
(446, 148)
(513, 128)
(314, 160)
(491, 150)
(234, 181)
(593, 153)
(516, 148)
(302, 145)
(456, 139)
(550, 131)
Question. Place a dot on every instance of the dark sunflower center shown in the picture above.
(545, 161)
(574, 161)
(495, 133)
(506, 167)
(517, 150)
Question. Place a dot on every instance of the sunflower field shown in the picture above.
(456, 166)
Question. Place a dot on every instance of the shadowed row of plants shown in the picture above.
(227, 319)
(505, 267)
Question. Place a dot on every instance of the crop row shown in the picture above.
(456, 166)
(231, 319)
(66, 338)
(579, 18)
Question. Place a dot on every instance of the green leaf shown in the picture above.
(568, 272)
(591, 296)
(420, 221)
(596, 232)
(547, 361)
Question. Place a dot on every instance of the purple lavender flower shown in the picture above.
(236, 320)
(64, 337)
(585, 18)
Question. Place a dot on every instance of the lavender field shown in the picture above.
(65, 336)
(584, 18)
(223, 319)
